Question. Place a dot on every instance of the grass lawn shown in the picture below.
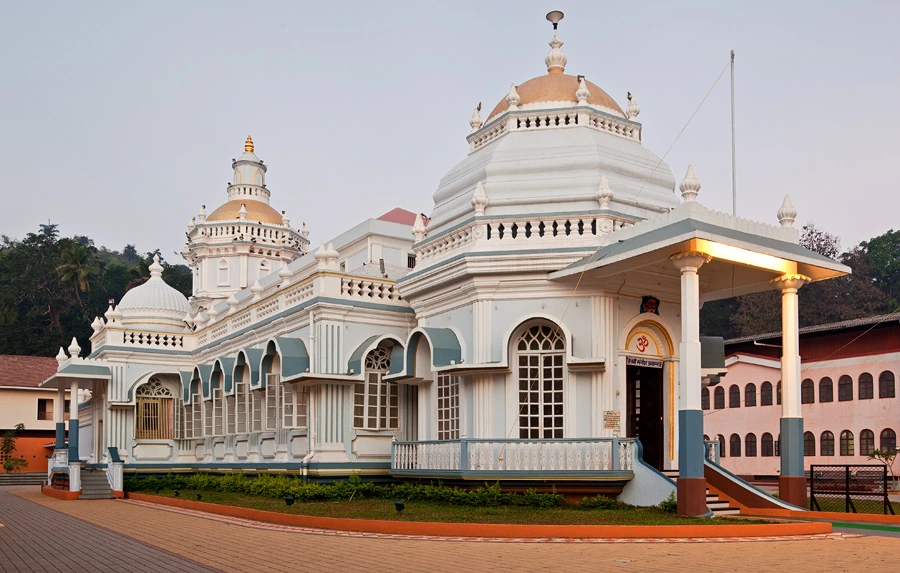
(837, 504)
(416, 511)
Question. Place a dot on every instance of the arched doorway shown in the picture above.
(645, 411)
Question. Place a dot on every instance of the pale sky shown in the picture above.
(119, 119)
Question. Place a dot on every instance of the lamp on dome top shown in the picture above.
(554, 17)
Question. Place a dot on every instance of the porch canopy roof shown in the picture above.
(744, 256)
(85, 374)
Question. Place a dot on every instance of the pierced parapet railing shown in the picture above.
(479, 455)
(368, 288)
(153, 340)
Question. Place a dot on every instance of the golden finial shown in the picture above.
(248, 145)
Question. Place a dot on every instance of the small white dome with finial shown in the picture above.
(61, 355)
(74, 348)
(480, 199)
(201, 216)
(787, 214)
(690, 186)
(556, 59)
(232, 303)
(604, 193)
(418, 229)
(152, 304)
(476, 122)
(513, 98)
(633, 109)
(582, 93)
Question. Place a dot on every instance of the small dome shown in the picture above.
(557, 87)
(256, 211)
(154, 296)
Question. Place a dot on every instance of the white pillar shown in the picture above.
(73, 421)
(59, 416)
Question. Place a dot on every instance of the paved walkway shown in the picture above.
(233, 546)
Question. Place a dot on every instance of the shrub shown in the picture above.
(670, 504)
(597, 502)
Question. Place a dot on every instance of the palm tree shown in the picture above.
(77, 268)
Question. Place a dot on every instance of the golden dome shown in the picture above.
(555, 87)
(256, 211)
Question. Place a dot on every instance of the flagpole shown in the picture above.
(733, 159)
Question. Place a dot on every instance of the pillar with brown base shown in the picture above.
(792, 482)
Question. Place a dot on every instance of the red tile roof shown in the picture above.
(399, 215)
(25, 371)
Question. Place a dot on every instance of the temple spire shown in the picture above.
(248, 145)
(556, 59)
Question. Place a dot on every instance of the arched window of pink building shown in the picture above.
(721, 439)
(826, 444)
(807, 392)
(886, 385)
(750, 395)
(704, 399)
(734, 396)
(768, 445)
(845, 389)
(847, 448)
(777, 446)
(719, 398)
(888, 439)
(735, 446)
(750, 445)
(826, 390)
(809, 444)
(866, 442)
(778, 392)
(866, 386)
(765, 394)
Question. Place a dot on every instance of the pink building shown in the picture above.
(848, 395)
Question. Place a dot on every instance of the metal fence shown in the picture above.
(849, 488)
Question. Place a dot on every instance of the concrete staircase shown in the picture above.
(23, 479)
(94, 485)
(713, 503)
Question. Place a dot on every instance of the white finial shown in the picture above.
(201, 318)
(109, 312)
(61, 355)
(116, 315)
(192, 223)
(480, 199)
(256, 289)
(285, 220)
(211, 312)
(201, 216)
(633, 109)
(242, 212)
(305, 231)
(74, 349)
(97, 325)
(582, 93)
(556, 59)
(513, 98)
(604, 193)
(787, 214)
(327, 257)
(156, 269)
(285, 272)
(232, 303)
(690, 186)
(188, 319)
(418, 229)
(476, 121)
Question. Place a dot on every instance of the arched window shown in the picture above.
(809, 444)
(448, 407)
(243, 395)
(376, 401)
(866, 442)
(750, 445)
(826, 447)
(721, 439)
(866, 386)
(826, 390)
(541, 353)
(768, 445)
(847, 448)
(193, 414)
(734, 396)
(223, 273)
(704, 399)
(155, 410)
(264, 268)
(735, 446)
(845, 388)
(807, 392)
(888, 439)
(750, 395)
(218, 407)
(778, 393)
(719, 397)
(765, 394)
(886, 385)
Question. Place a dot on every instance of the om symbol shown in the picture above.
(643, 343)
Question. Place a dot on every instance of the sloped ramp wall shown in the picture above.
(649, 486)
(741, 491)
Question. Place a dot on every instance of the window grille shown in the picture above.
(273, 401)
(888, 439)
(295, 400)
(807, 392)
(207, 418)
(704, 399)
(448, 407)
(886, 387)
(866, 386)
(765, 394)
(242, 406)
(750, 445)
(410, 261)
(230, 414)
(826, 390)
(541, 353)
(735, 446)
(847, 448)
(750, 395)
(768, 445)
(826, 447)
(809, 444)
(845, 389)
(719, 398)
(866, 442)
(734, 396)
(257, 399)
(217, 409)
(376, 402)
(155, 409)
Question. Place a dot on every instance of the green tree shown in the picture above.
(77, 268)
(8, 449)
(883, 256)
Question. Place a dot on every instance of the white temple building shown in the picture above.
(533, 328)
